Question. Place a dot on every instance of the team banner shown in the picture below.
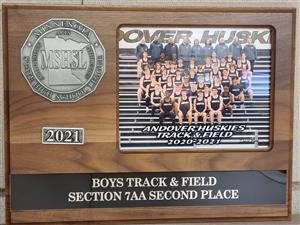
(194, 88)
(129, 37)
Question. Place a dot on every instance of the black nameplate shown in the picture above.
(113, 190)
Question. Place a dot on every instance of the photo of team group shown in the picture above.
(190, 80)
(180, 80)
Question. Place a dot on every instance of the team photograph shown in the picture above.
(194, 88)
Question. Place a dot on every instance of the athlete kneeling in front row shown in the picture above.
(167, 109)
(215, 103)
(184, 108)
(200, 107)
(236, 93)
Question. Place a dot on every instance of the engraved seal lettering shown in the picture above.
(63, 60)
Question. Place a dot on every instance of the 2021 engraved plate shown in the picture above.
(63, 60)
(59, 135)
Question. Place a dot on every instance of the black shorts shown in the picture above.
(184, 112)
(215, 109)
(226, 108)
(245, 91)
(236, 96)
(202, 115)
(170, 114)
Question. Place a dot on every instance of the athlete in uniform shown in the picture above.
(176, 95)
(156, 96)
(226, 80)
(141, 63)
(246, 84)
(163, 79)
(176, 92)
(246, 63)
(157, 71)
(169, 86)
(206, 95)
(167, 109)
(207, 67)
(207, 91)
(193, 78)
(223, 65)
(150, 90)
(173, 68)
(184, 108)
(232, 72)
(200, 72)
(236, 92)
(145, 80)
(215, 103)
(239, 66)
(180, 64)
(186, 82)
(162, 59)
(200, 107)
(192, 65)
(200, 84)
(226, 102)
(229, 59)
(214, 59)
(215, 73)
(167, 65)
(192, 93)
(218, 85)
(177, 80)
(207, 79)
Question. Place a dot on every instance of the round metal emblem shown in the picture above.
(63, 60)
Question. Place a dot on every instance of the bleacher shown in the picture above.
(133, 116)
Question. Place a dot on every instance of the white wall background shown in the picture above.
(172, 3)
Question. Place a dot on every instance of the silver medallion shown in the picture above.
(63, 60)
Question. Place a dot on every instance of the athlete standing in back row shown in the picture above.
(140, 49)
(171, 49)
(156, 48)
(250, 51)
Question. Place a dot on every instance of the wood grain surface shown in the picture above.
(27, 113)
(157, 213)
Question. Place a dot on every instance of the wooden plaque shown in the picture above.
(92, 151)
